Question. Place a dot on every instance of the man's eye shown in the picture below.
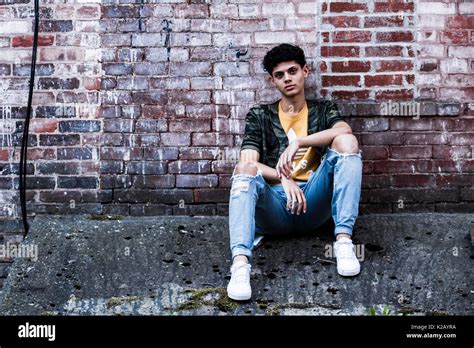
(292, 71)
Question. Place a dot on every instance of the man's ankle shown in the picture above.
(241, 258)
(343, 235)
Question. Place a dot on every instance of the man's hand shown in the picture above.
(293, 194)
(285, 162)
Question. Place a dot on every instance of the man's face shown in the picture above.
(288, 78)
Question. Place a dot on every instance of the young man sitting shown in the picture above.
(299, 166)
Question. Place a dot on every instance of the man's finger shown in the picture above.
(293, 201)
(304, 202)
(300, 202)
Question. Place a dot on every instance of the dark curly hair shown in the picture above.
(283, 53)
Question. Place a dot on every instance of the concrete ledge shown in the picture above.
(414, 263)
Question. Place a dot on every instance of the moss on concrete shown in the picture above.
(223, 303)
(117, 301)
(105, 217)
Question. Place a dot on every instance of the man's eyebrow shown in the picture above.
(278, 71)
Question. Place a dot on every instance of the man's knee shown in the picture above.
(345, 143)
(246, 168)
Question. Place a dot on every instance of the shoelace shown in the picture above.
(241, 274)
(344, 250)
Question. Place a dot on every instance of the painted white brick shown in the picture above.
(461, 51)
(428, 79)
(231, 69)
(221, 40)
(454, 65)
(248, 10)
(430, 7)
(310, 8)
(15, 27)
(190, 39)
(274, 37)
(466, 8)
(278, 9)
(431, 51)
(432, 21)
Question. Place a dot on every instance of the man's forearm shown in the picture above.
(324, 137)
(267, 172)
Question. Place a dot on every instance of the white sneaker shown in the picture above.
(347, 263)
(239, 284)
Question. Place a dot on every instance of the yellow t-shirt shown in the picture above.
(307, 159)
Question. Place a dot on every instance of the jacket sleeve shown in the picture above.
(332, 115)
(253, 132)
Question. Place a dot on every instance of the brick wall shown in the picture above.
(139, 108)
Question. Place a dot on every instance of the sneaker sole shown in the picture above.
(349, 273)
(239, 297)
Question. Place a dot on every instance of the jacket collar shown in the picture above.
(275, 119)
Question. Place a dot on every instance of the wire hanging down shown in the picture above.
(26, 126)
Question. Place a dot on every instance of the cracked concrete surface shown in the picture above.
(413, 263)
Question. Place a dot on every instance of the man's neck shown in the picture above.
(294, 104)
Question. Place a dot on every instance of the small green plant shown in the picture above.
(385, 312)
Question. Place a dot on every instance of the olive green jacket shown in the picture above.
(264, 132)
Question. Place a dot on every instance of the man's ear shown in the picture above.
(270, 78)
(306, 70)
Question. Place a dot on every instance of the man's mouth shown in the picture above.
(289, 87)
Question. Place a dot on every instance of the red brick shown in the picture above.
(383, 51)
(351, 36)
(455, 37)
(413, 180)
(425, 138)
(383, 80)
(92, 83)
(87, 12)
(350, 66)
(342, 21)
(402, 152)
(394, 36)
(323, 67)
(394, 65)
(454, 124)
(375, 181)
(27, 41)
(455, 180)
(436, 166)
(340, 51)
(41, 154)
(374, 152)
(452, 152)
(362, 95)
(325, 36)
(410, 124)
(394, 166)
(461, 139)
(4, 154)
(460, 22)
(400, 94)
(386, 21)
(211, 195)
(43, 126)
(394, 6)
(382, 138)
(340, 80)
(367, 167)
(347, 7)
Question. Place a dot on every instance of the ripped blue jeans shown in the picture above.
(257, 209)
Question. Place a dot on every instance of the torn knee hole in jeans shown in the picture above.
(239, 186)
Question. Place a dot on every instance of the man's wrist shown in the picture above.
(298, 142)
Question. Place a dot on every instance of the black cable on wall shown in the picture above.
(26, 126)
